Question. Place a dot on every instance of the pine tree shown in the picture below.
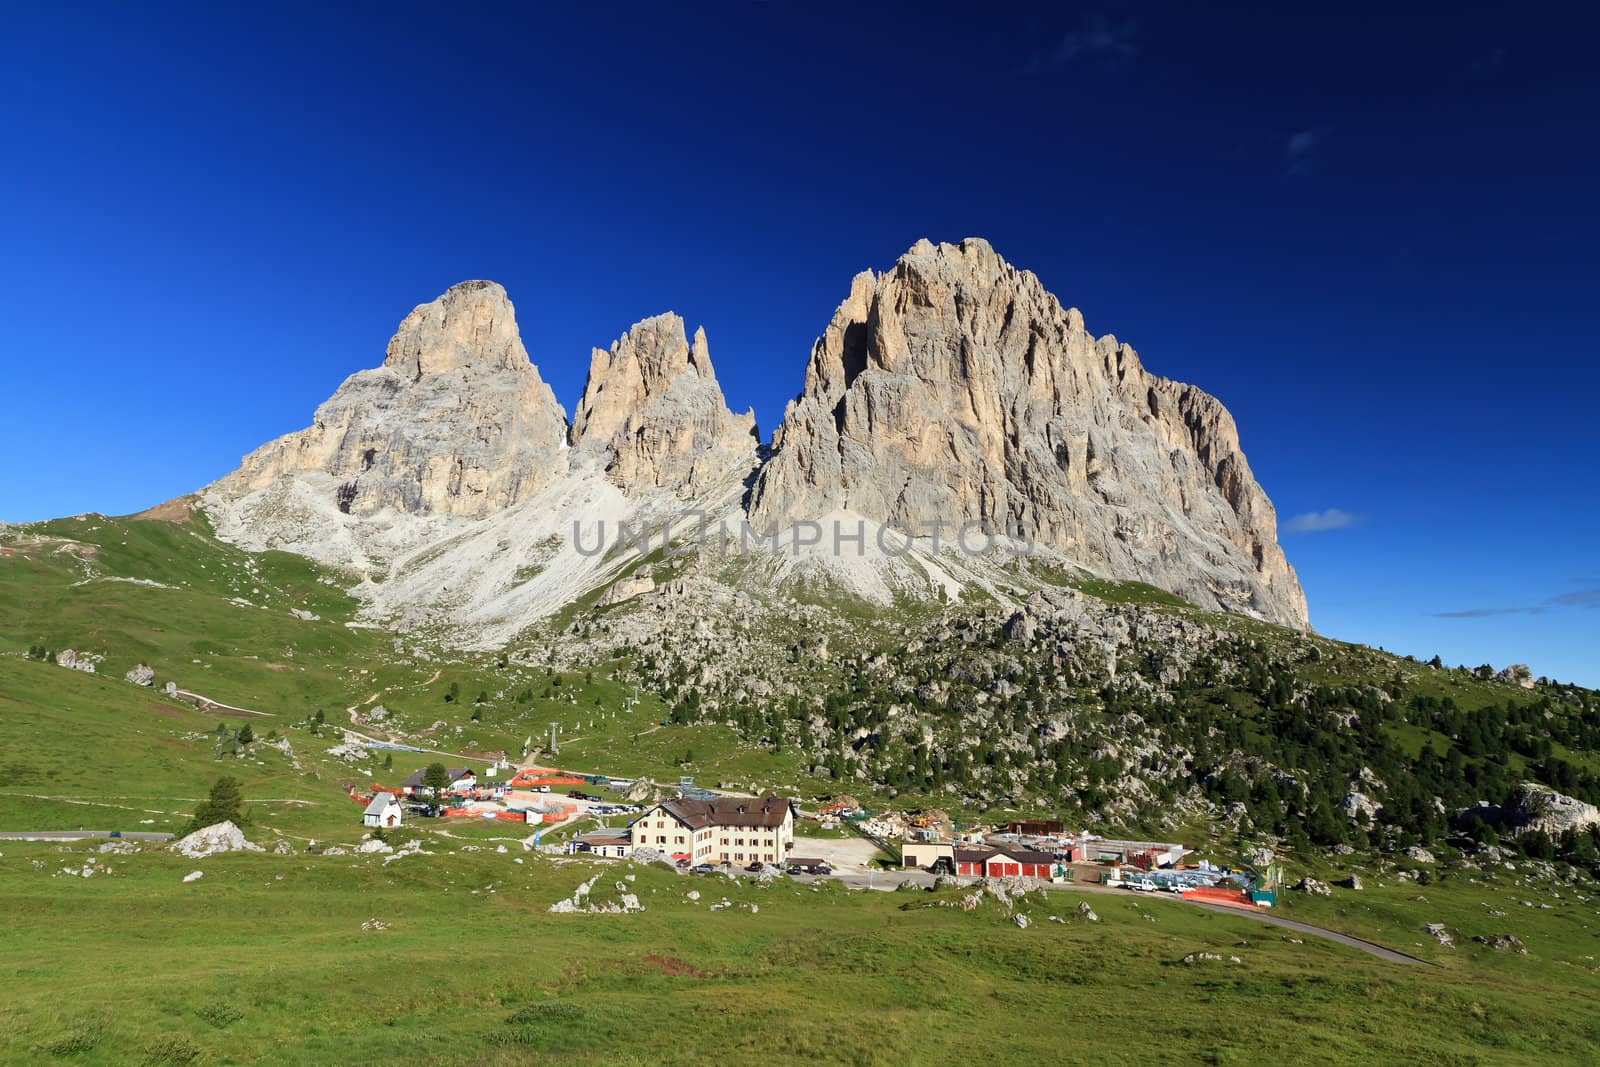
(225, 804)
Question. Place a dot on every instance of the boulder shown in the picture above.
(210, 840)
(1516, 674)
(1538, 807)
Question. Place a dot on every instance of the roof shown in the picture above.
(806, 861)
(973, 855)
(603, 837)
(379, 802)
(454, 773)
(765, 812)
(1026, 855)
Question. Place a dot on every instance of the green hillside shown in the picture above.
(1239, 734)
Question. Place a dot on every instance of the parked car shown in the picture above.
(541, 789)
(683, 865)
(755, 868)
(821, 868)
(704, 868)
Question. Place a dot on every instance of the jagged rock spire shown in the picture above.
(653, 414)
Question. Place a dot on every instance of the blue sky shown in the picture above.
(1372, 236)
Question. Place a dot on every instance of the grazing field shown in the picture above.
(265, 959)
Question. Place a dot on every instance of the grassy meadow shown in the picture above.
(265, 959)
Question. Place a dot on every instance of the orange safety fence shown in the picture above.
(545, 776)
(1218, 895)
(509, 816)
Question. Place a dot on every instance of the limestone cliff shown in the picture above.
(653, 413)
(955, 388)
(456, 421)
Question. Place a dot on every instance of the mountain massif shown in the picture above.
(953, 390)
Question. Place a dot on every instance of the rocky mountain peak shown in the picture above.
(955, 388)
(653, 413)
(471, 325)
(456, 421)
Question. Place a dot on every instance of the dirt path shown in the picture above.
(206, 704)
(354, 709)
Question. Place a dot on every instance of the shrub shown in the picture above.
(171, 1049)
(81, 1038)
(220, 1015)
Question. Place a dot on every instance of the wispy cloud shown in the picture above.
(1102, 42)
(1479, 613)
(1300, 151)
(1579, 598)
(1318, 521)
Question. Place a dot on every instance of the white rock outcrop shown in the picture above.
(1538, 807)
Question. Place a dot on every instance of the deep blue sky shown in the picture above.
(1372, 236)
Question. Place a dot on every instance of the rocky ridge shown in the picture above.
(951, 388)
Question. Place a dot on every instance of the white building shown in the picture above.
(736, 830)
(615, 843)
(384, 812)
(461, 780)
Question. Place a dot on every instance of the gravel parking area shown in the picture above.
(843, 854)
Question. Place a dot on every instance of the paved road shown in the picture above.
(888, 881)
(1370, 947)
(78, 835)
